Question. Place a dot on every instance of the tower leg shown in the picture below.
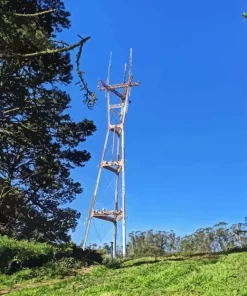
(94, 195)
(116, 201)
(123, 197)
(114, 239)
(86, 234)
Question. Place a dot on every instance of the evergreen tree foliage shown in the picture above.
(38, 138)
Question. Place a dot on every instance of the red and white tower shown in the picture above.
(117, 108)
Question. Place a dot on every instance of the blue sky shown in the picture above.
(186, 130)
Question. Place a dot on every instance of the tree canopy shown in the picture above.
(38, 138)
(219, 238)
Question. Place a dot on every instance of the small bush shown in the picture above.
(63, 267)
(113, 264)
(17, 255)
(52, 270)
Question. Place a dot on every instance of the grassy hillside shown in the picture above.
(224, 275)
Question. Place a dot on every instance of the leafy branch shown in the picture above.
(47, 51)
(89, 96)
(28, 14)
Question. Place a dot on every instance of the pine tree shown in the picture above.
(38, 138)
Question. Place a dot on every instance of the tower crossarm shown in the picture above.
(105, 86)
(114, 166)
(115, 106)
(113, 87)
(111, 216)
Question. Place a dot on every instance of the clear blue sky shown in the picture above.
(186, 130)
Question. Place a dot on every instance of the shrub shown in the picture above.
(17, 255)
(114, 264)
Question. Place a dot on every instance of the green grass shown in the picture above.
(29, 276)
(225, 275)
(52, 271)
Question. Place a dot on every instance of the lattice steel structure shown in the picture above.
(116, 164)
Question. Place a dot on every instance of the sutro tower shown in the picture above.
(116, 115)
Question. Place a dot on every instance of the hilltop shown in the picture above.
(175, 276)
